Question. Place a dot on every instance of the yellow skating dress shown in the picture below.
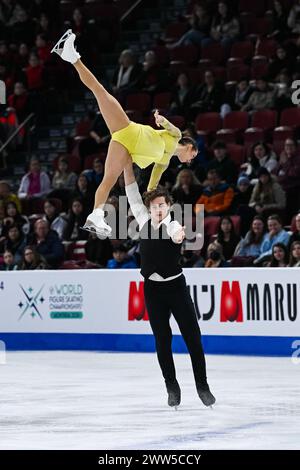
(147, 145)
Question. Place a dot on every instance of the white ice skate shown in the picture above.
(65, 47)
(95, 223)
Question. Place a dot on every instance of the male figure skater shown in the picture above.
(165, 286)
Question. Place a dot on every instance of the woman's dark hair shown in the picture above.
(158, 192)
(36, 257)
(76, 199)
(292, 260)
(188, 141)
(253, 239)
(14, 226)
(274, 262)
(220, 235)
(229, 14)
(11, 203)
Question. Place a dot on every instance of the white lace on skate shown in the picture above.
(65, 47)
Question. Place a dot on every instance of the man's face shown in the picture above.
(159, 209)
(213, 179)
(41, 230)
(13, 233)
(220, 153)
(119, 256)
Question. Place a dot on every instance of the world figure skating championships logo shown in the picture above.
(31, 302)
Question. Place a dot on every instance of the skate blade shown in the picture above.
(101, 234)
(63, 39)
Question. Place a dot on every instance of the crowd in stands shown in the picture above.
(222, 72)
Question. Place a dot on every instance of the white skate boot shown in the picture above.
(95, 223)
(65, 47)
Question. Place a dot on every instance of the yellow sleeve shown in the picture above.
(156, 173)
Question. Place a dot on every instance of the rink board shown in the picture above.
(240, 311)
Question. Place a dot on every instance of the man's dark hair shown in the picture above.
(188, 140)
(158, 192)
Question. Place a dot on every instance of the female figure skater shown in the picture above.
(129, 140)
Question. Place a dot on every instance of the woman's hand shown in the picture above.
(158, 119)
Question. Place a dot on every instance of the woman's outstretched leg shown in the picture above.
(111, 110)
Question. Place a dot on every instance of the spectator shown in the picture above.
(225, 27)
(182, 96)
(295, 237)
(120, 259)
(191, 258)
(13, 217)
(32, 260)
(8, 12)
(43, 48)
(35, 183)
(22, 30)
(187, 188)
(237, 97)
(263, 97)
(242, 194)
(7, 196)
(34, 73)
(76, 219)
(95, 175)
(279, 258)
(275, 234)
(8, 262)
(63, 182)
(208, 97)
(217, 197)
(98, 136)
(249, 247)
(267, 194)
(295, 255)
(294, 17)
(126, 74)
(288, 174)
(281, 62)
(223, 163)
(279, 21)
(98, 251)
(84, 192)
(227, 237)
(215, 257)
(14, 242)
(21, 60)
(199, 22)
(44, 26)
(56, 222)
(47, 243)
(152, 78)
(19, 101)
(260, 157)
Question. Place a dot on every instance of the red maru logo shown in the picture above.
(136, 302)
(231, 302)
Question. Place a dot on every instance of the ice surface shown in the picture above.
(89, 400)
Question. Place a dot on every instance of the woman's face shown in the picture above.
(82, 182)
(49, 209)
(278, 253)
(226, 226)
(280, 53)
(222, 8)
(298, 222)
(11, 210)
(259, 151)
(77, 208)
(185, 178)
(289, 147)
(13, 234)
(63, 166)
(182, 80)
(264, 179)
(8, 258)
(257, 227)
(274, 227)
(296, 251)
(28, 255)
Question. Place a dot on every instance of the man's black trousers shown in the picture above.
(162, 299)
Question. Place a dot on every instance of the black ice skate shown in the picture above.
(174, 393)
(205, 395)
